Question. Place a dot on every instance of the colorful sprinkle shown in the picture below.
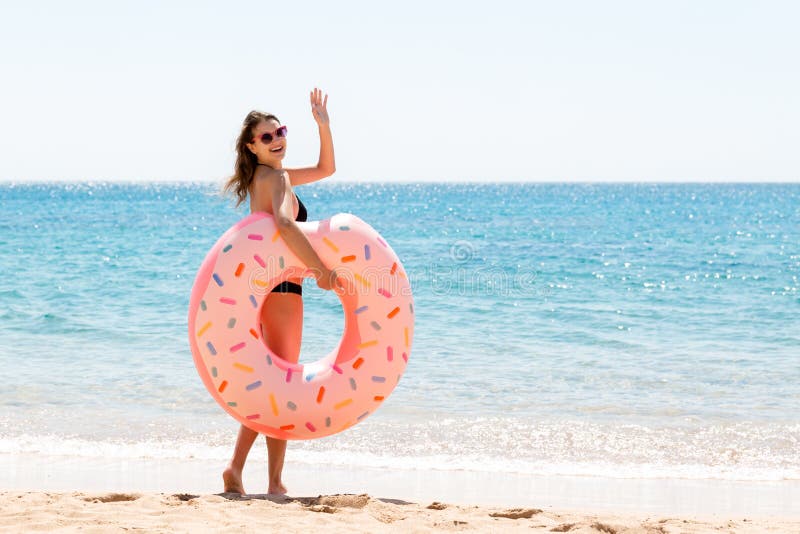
(269, 360)
(287, 427)
(330, 244)
(360, 279)
(379, 379)
(227, 300)
(203, 305)
(410, 307)
(405, 357)
(211, 349)
(243, 367)
(232, 404)
(292, 406)
(405, 335)
(214, 372)
(385, 293)
(310, 377)
(363, 415)
(280, 262)
(227, 248)
(367, 254)
(239, 270)
(328, 422)
(254, 333)
(288, 375)
(353, 383)
(254, 385)
(255, 237)
(273, 404)
(340, 405)
(260, 283)
(253, 301)
(320, 394)
(389, 353)
(275, 236)
(394, 268)
(254, 416)
(336, 368)
(346, 259)
(357, 363)
(345, 228)
(393, 313)
(378, 398)
(203, 329)
(231, 322)
(237, 346)
(222, 386)
(362, 309)
(259, 260)
(311, 427)
(375, 325)
(217, 279)
(366, 344)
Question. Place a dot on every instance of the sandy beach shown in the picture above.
(181, 512)
(104, 495)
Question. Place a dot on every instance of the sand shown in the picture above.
(162, 512)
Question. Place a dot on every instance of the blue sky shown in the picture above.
(431, 91)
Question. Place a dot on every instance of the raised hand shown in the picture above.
(319, 107)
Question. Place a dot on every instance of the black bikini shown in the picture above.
(291, 287)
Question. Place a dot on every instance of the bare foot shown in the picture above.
(232, 479)
(277, 488)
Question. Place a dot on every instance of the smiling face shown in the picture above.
(270, 153)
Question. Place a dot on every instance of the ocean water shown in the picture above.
(647, 330)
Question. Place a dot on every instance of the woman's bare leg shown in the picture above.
(282, 321)
(232, 476)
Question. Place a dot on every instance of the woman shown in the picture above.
(260, 150)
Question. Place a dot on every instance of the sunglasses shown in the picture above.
(267, 138)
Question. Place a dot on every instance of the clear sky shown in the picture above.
(419, 90)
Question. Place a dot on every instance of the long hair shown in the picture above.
(246, 161)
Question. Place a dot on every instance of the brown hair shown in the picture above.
(246, 161)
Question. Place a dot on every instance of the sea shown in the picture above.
(599, 330)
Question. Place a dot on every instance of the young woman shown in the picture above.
(260, 174)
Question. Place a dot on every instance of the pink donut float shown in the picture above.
(258, 387)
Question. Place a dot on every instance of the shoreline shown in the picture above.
(685, 497)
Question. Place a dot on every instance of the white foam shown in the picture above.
(735, 451)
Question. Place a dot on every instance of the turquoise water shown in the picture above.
(623, 330)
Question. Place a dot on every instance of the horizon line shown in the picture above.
(767, 181)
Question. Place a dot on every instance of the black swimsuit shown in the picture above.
(291, 287)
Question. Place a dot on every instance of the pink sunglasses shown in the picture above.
(267, 138)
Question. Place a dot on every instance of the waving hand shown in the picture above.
(319, 107)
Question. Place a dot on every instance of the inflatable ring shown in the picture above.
(260, 389)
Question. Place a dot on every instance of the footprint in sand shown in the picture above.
(330, 504)
(517, 513)
(184, 496)
(322, 508)
(113, 497)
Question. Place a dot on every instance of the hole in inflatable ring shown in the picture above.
(321, 327)
(323, 322)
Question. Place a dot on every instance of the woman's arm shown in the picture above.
(280, 190)
(327, 162)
